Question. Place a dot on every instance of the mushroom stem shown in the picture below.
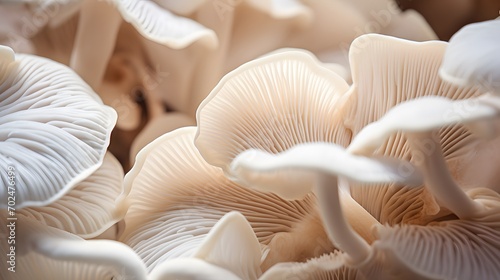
(437, 177)
(337, 227)
(98, 252)
(210, 68)
(95, 40)
(361, 221)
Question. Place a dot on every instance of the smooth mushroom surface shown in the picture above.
(472, 56)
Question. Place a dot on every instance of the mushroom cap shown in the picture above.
(176, 198)
(387, 71)
(454, 249)
(91, 207)
(230, 251)
(271, 103)
(161, 26)
(278, 173)
(472, 56)
(54, 130)
(421, 115)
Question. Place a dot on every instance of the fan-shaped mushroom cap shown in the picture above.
(161, 26)
(387, 71)
(472, 56)
(229, 251)
(91, 207)
(176, 198)
(271, 103)
(54, 129)
(446, 250)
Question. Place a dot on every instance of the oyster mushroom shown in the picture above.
(419, 118)
(327, 163)
(471, 57)
(98, 22)
(230, 251)
(387, 71)
(89, 209)
(55, 129)
(177, 197)
(45, 252)
(275, 102)
(459, 248)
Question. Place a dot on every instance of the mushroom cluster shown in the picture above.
(254, 140)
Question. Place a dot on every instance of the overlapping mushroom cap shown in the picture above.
(177, 197)
(386, 71)
(54, 129)
(472, 56)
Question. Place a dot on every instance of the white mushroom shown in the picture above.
(418, 119)
(54, 129)
(274, 102)
(176, 198)
(472, 57)
(91, 207)
(386, 72)
(327, 162)
(230, 251)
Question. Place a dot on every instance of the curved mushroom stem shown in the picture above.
(210, 69)
(95, 40)
(337, 227)
(437, 176)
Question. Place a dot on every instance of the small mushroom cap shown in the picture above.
(7, 56)
(161, 26)
(54, 130)
(275, 173)
(176, 198)
(230, 251)
(472, 56)
(421, 115)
